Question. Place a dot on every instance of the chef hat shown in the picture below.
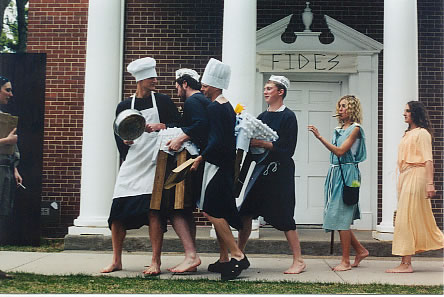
(216, 74)
(190, 72)
(281, 80)
(142, 68)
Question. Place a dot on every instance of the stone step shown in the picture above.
(314, 241)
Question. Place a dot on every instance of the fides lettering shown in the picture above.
(317, 62)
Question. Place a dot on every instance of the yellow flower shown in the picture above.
(239, 108)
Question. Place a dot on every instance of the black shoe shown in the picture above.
(234, 268)
(217, 266)
(244, 263)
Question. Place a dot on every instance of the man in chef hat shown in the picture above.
(134, 185)
(217, 198)
(281, 83)
(274, 175)
(194, 126)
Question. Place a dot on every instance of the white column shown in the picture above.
(400, 86)
(102, 93)
(239, 51)
(363, 88)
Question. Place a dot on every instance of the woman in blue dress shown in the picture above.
(348, 144)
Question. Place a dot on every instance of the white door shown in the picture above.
(314, 104)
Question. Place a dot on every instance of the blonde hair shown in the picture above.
(354, 109)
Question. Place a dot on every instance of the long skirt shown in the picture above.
(415, 226)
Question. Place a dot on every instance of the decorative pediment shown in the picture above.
(346, 39)
(272, 32)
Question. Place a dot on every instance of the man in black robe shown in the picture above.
(217, 200)
(270, 193)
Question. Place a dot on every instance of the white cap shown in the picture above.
(281, 80)
(216, 74)
(142, 68)
(190, 72)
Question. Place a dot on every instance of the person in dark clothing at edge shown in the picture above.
(271, 191)
(194, 125)
(217, 198)
(134, 185)
(9, 174)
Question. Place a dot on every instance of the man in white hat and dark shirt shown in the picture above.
(270, 192)
(217, 198)
(134, 185)
(194, 126)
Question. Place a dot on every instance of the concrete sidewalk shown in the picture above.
(428, 271)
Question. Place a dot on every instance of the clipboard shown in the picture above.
(7, 124)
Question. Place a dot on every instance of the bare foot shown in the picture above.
(359, 257)
(152, 270)
(111, 268)
(296, 268)
(192, 269)
(342, 267)
(402, 268)
(188, 265)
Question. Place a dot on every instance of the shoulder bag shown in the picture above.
(350, 195)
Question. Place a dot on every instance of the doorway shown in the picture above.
(313, 102)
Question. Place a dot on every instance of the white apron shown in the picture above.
(136, 174)
(210, 171)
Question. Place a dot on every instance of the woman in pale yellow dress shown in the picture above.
(415, 226)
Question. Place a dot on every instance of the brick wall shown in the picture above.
(176, 33)
(186, 34)
(58, 28)
(431, 86)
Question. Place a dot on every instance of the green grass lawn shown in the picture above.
(42, 284)
(47, 245)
